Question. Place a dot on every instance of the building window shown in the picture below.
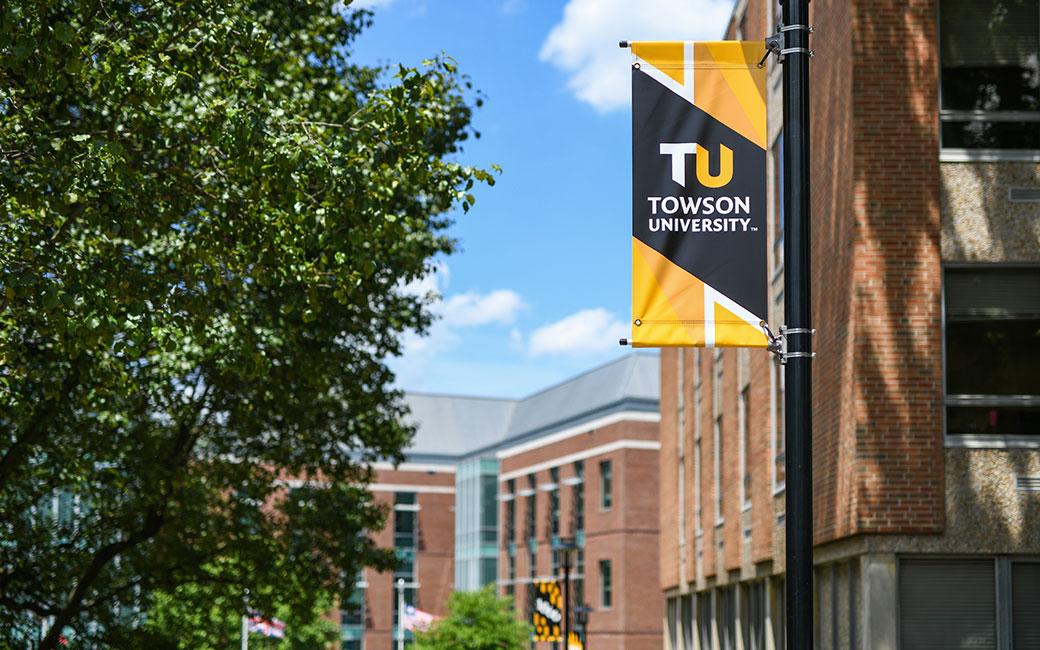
(993, 351)
(406, 512)
(554, 504)
(578, 497)
(510, 523)
(606, 485)
(532, 532)
(990, 74)
(704, 619)
(745, 449)
(605, 585)
(779, 428)
(352, 618)
(778, 203)
(717, 448)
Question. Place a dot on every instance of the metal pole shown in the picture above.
(245, 621)
(566, 600)
(400, 614)
(798, 319)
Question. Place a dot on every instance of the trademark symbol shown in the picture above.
(754, 228)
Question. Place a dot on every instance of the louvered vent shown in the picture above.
(1024, 194)
(1027, 483)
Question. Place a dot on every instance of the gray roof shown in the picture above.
(452, 427)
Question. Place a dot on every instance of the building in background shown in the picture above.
(926, 299)
(488, 486)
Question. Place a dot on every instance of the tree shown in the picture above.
(478, 620)
(208, 214)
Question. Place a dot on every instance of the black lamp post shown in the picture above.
(581, 616)
(565, 546)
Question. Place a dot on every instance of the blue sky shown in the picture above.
(540, 290)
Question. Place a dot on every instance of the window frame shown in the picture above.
(606, 485)
(606, 584)
(979, 440)
(960, 154)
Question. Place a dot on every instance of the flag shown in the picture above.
(417, 620)
(272, 628)
(698, 194)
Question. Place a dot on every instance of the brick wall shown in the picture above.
(626, 533)
(898, 333)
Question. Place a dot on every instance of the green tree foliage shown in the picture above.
(208, 211)
(478, 620)
(207, 619)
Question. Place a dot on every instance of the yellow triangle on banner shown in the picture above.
(666, 56)
(668, 301)
(732, 331)
(730, 88)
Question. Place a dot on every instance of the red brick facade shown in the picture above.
(625, 534)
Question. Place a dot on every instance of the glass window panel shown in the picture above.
(947, 603)
(1025, 605)
(989, 54)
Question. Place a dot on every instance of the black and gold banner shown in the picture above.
(547, 611)
(698, 194)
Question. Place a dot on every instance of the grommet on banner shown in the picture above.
(637, 322)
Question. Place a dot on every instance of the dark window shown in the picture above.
(704, 619)
(1025, 604)
(532, 533)
(993, 351)
(605, 485)
(511, 516)
(405, 528)
(605, 584)
(990, 74)
(554, 503)
(947, 604)
(578, 497)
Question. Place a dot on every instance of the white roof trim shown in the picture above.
(448, 468)
(397, 487)
(652, 445)
(586, 427)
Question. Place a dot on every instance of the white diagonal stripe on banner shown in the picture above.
(684, 90)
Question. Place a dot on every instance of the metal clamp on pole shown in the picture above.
(785, 355)
(775, 43)
(778, 344)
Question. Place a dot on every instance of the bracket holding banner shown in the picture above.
(778, 344)
(775, 43)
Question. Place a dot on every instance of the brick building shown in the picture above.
(489, 485)
(926, 297)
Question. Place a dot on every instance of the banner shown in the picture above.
(698, 194)
(547, 612)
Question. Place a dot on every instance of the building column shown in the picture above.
(880, 601)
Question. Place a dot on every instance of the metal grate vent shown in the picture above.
(1027, 483)
(1025, 194)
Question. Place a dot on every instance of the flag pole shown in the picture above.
(400, 614)
(245, 620)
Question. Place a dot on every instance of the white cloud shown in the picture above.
(370, 4)
(434, 282)
(588, 332)
(585, 43)
(499, 306)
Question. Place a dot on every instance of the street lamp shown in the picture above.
(565, 546)
(581, 616)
